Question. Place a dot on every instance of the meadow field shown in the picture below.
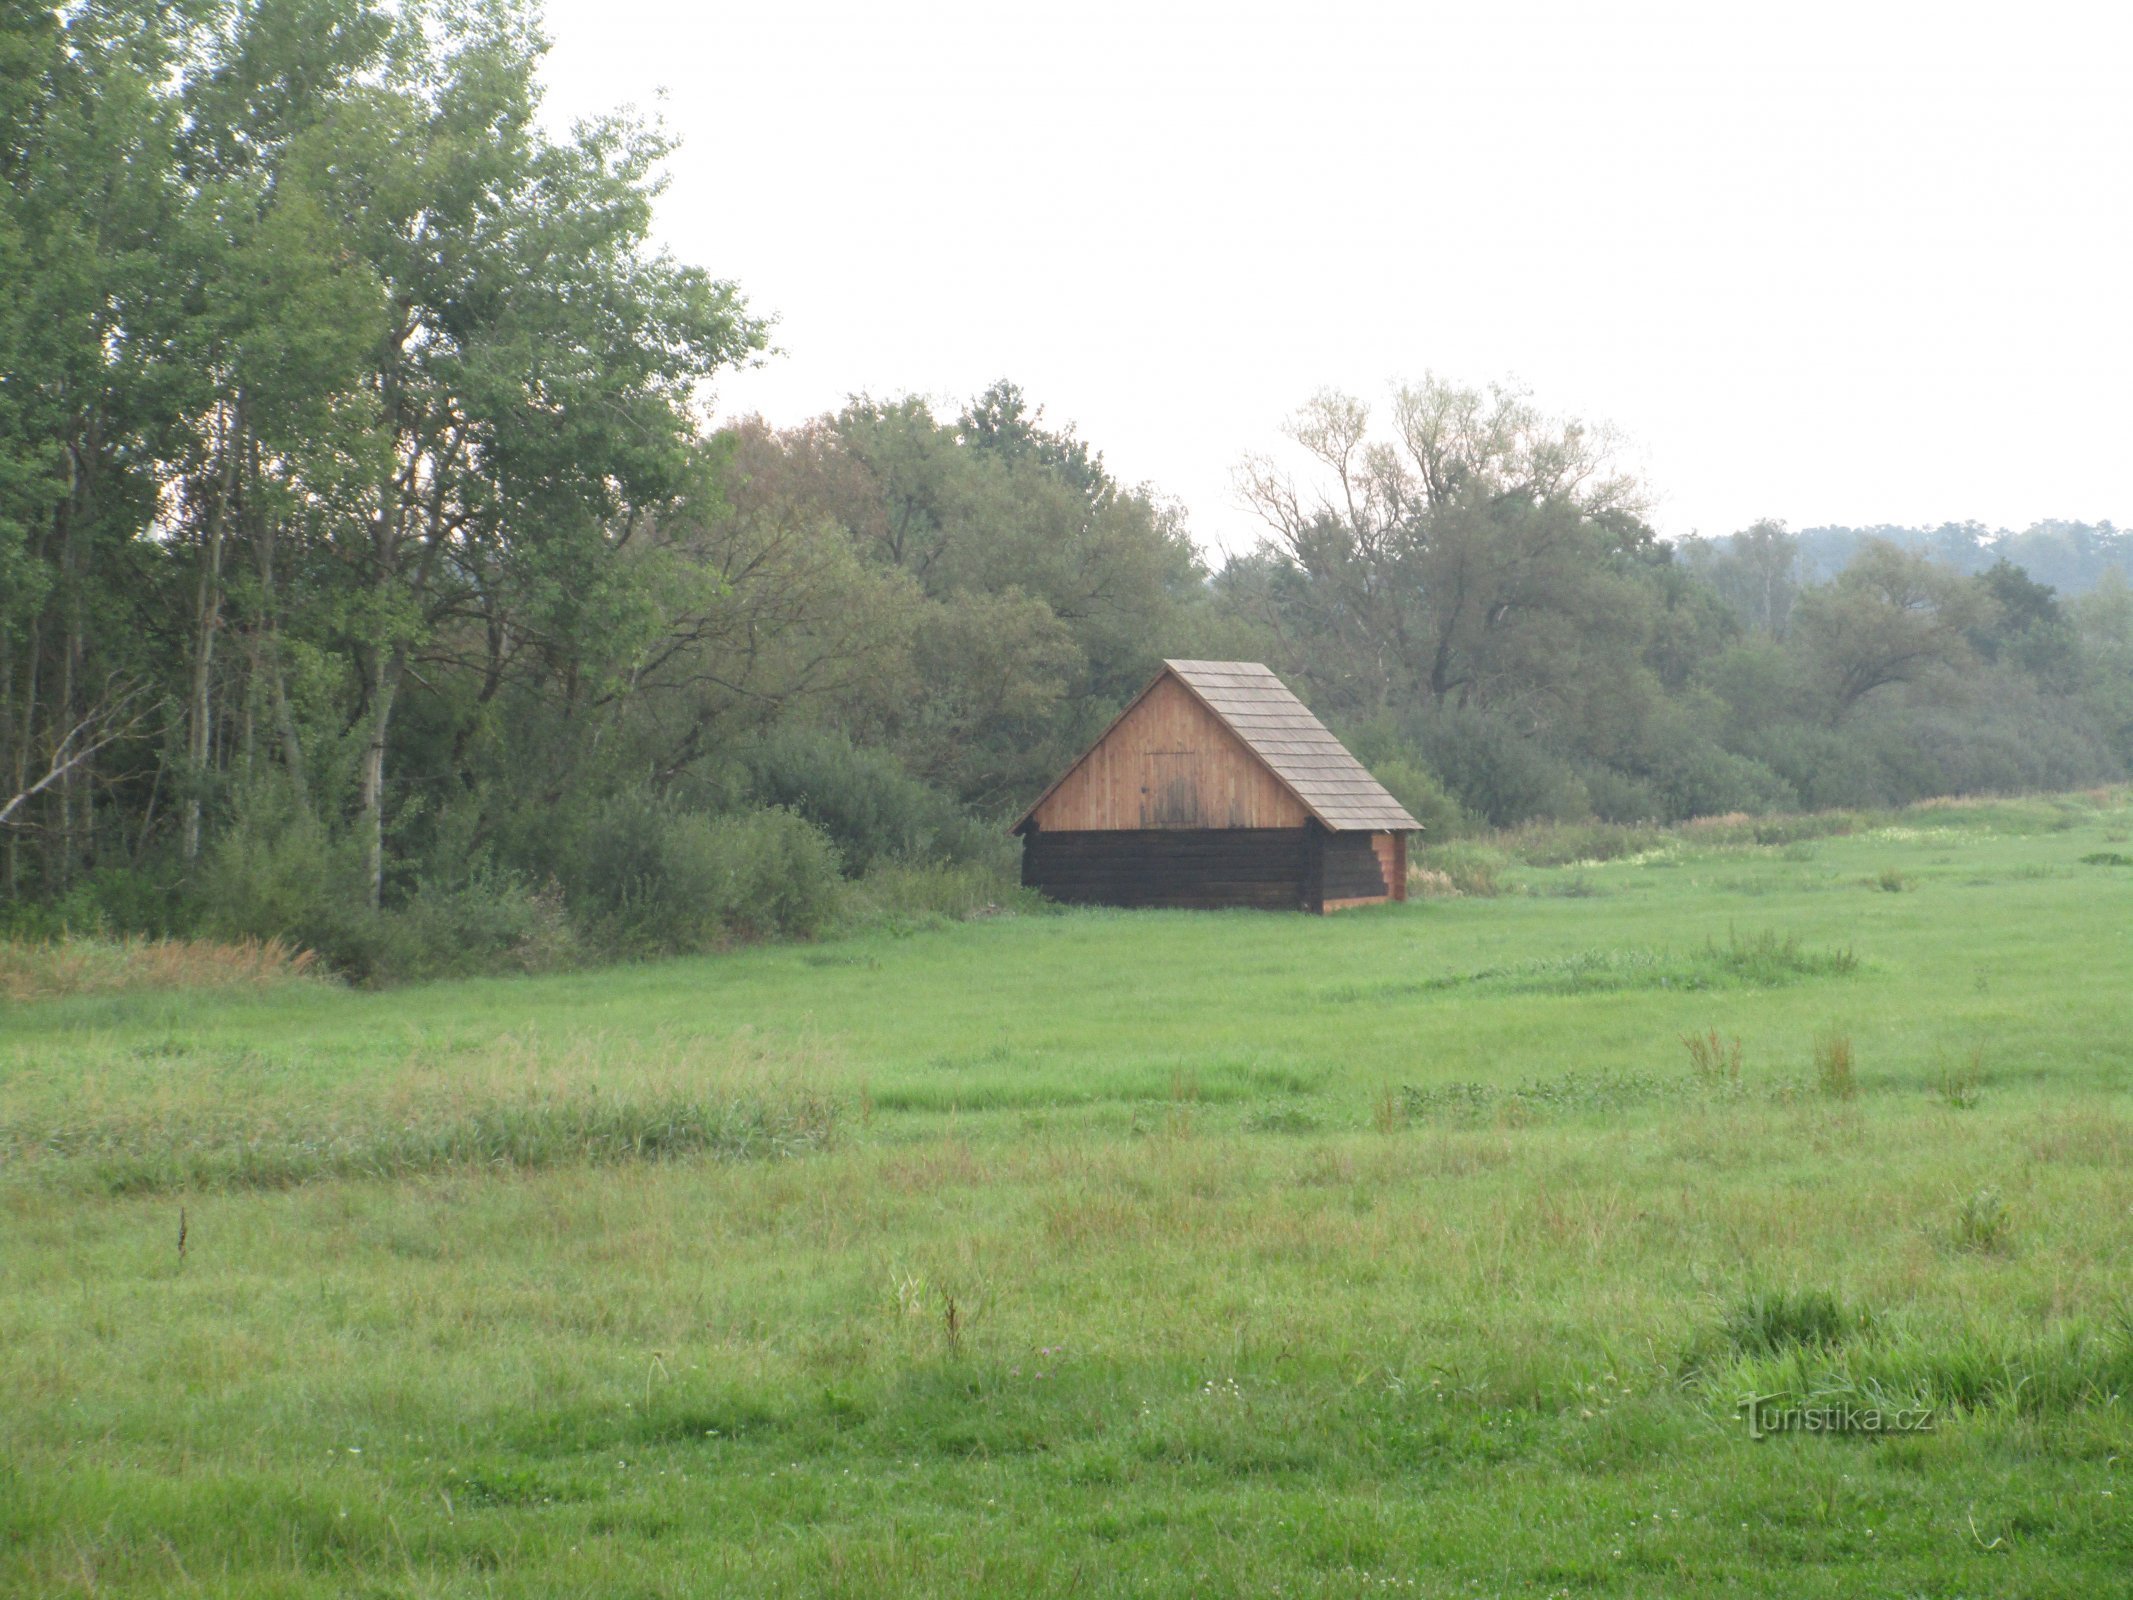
(1428, 1250)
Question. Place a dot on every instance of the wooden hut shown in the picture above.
(1217, 787)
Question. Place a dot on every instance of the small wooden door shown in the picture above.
(1170, 789)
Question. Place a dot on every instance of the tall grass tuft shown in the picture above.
(1961, 1088)
(1458, 869)
(1713, 1062)
(1834, 1077)
(1983, 1224)
(1765, 1322)
(1769, 959)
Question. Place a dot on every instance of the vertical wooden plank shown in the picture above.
(1235, 789)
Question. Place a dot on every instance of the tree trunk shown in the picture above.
(207, 621)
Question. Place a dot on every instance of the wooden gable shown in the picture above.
(1168, 762)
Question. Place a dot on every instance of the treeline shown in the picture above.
(369, 576)
(1472, 591)
(2071, 557)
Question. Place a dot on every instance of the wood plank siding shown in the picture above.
(1269, 869)
(1170, 764)
(1217, 787)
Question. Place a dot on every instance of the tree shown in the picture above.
(535, 360)
(1891, 617)
(1757, 571)
(1470, 558)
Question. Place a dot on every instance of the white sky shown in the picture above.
(1832, 263)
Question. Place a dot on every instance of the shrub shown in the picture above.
(655, 879)
(1498, 774)
(1426, 800)
(1696, 777)
(863, 799)
(491, 923)
(901, 896)
(1618, 797)
(280, 872)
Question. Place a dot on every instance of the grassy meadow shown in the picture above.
(1422, 1250)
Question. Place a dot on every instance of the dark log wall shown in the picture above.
(1200, 868)
(1349, 868)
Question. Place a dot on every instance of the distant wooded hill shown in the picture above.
(2071, 557)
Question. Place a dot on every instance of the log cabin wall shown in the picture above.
(1196, 868)
(1348, 870)
(1169, 764)
(1392, 856)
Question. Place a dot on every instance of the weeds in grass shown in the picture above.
(1468, 869)
(1736, 830)
(2107, 858)
(1713, 1062)
(1281, 1119)
(1890, 881)
(1423, 884)
(158, 1154)
(106, 966)
(1961, 1088)
(1834, 1077)
(1765, 1322)
(1765, 961)
(1575, 887)
(1388, 1112)
(1559, 844)
(1769, 959)
(1983, 1223)
(1594, 1091)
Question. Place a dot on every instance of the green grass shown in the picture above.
(1406, 1251)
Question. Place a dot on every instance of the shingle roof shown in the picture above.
(1299, 749)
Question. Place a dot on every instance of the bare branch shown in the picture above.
(112, 718)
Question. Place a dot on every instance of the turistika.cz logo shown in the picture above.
(1768, 1414)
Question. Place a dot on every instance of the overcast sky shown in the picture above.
(1856, 263)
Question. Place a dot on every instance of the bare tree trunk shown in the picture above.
(64, 709)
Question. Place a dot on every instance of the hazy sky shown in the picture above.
(1855, 263)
